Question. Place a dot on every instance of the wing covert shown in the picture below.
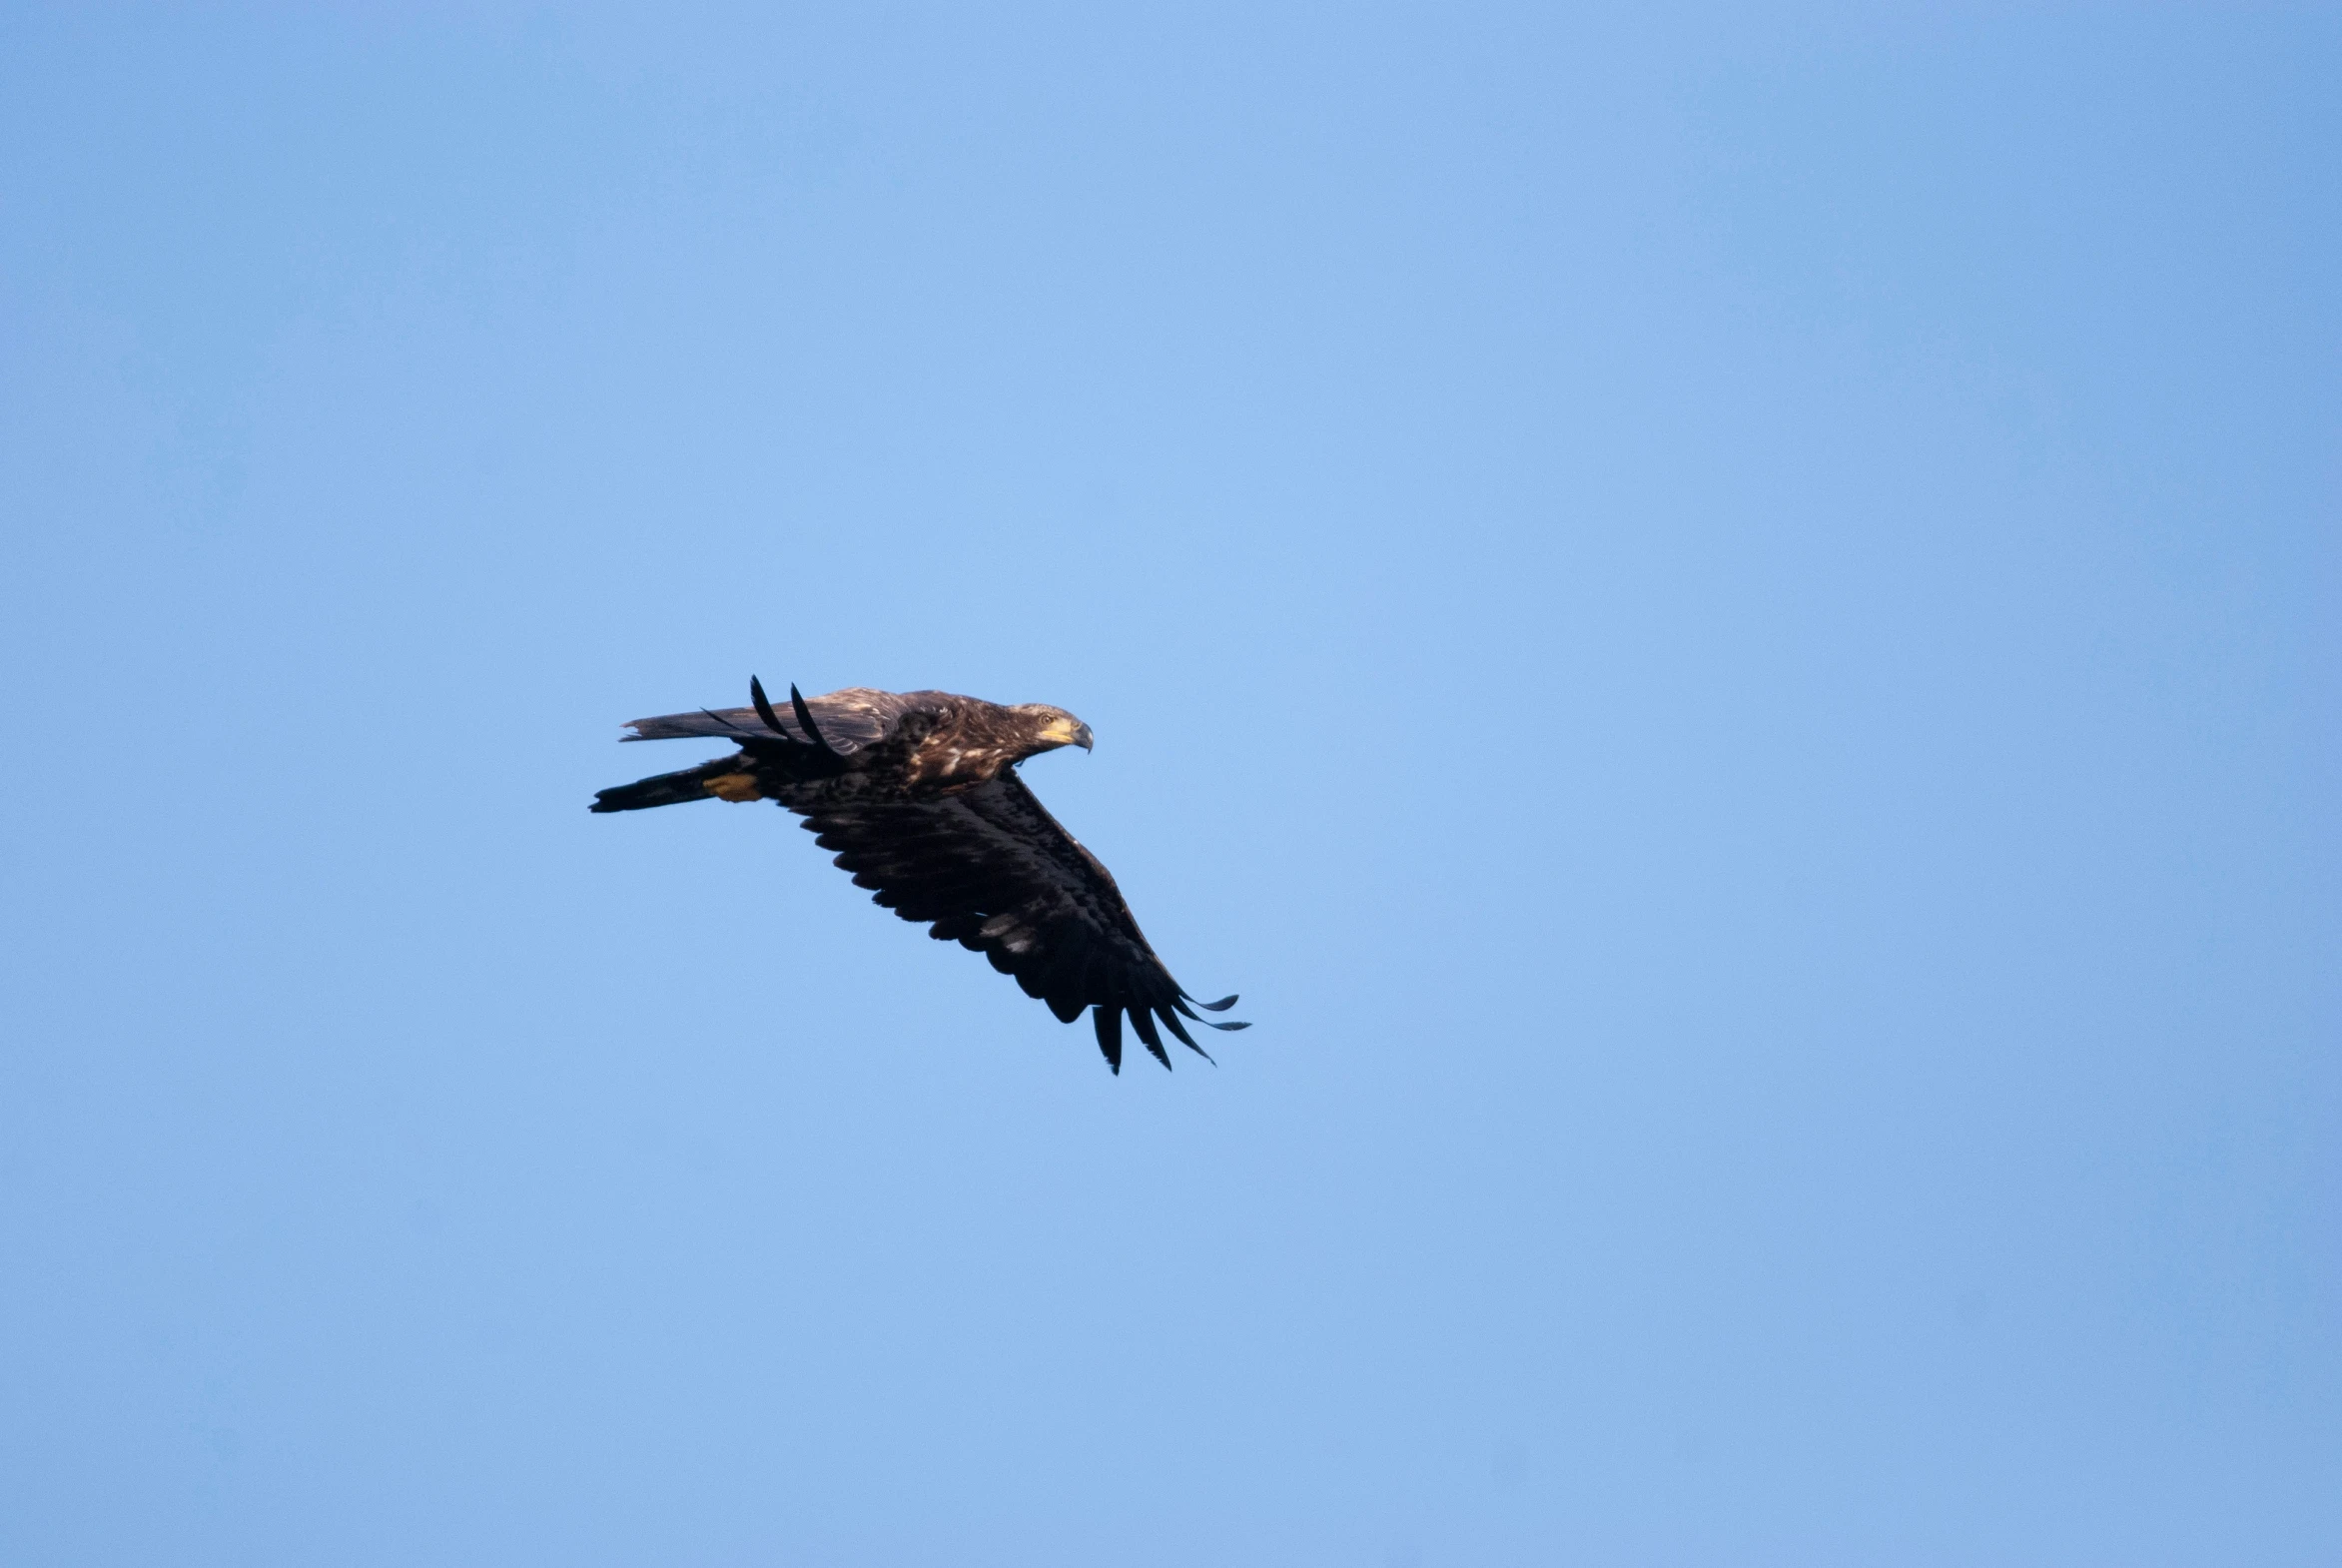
(849, 721)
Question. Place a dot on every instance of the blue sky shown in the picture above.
(1726, 621)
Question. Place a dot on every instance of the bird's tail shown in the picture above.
(723, 779)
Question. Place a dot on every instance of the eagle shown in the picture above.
(918, 793)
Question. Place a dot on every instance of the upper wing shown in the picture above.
(989, 867)
(849, 721)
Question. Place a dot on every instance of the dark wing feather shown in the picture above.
(990, 868)
(849, 721)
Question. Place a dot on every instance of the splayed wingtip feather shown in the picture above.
(1108, 1022)
(805, 720)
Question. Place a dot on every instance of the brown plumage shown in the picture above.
(919, 795)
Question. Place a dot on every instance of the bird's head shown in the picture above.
(1052, 727)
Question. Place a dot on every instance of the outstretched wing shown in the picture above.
(849, 721)
(990, 868)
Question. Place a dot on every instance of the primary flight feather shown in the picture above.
(918, 793)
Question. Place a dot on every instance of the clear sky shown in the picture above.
(1729, 623)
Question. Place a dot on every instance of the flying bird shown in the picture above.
(918, 794)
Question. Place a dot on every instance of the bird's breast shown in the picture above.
(943, 761)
